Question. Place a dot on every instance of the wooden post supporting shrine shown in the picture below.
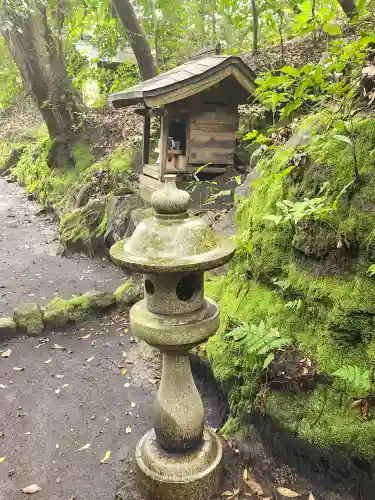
(164, 132)
(146, 139)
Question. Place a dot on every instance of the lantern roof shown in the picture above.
(172, 241)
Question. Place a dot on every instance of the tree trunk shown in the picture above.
(137, 38)
(254, 11)
(349, 7)
(43, 72)
(213, 17)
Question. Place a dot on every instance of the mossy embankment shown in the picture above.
(308, 277)
(92, 198)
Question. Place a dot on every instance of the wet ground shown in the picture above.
(30, 270)
(98, 390)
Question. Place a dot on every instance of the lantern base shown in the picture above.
(183, 476)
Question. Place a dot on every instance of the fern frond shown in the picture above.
(354, 377)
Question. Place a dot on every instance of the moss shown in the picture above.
(102, 300)
(323, 418)
(56, 313)
(79, 307)
(281, 267)
(122, 290)
(8, 327)
(129, 292)
(29, 318)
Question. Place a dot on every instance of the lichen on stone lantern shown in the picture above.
(179, 458)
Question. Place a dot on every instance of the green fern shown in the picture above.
(371, 270)
(354, 377)
(258, 343)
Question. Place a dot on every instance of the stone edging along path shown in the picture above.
(32, 319)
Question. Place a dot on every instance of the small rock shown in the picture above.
(11, 472)
(29, 318)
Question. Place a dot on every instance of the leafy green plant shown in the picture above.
(358, 380)
(315, 208)
(258, 343)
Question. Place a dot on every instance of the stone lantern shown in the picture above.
(179, 458)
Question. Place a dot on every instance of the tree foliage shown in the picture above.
(84, 40)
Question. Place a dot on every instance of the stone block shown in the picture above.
(8, 328)
(29, 318)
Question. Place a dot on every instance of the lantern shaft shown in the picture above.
(179, 412)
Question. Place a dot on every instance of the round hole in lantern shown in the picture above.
(149, 287)
(186, 287)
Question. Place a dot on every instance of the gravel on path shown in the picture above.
(30, 270)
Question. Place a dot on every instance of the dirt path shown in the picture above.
(30, 270)
(43, 423)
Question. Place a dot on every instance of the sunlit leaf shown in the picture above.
(333, 29)
(33, 488)
(106, 457)
(253, 486)
(286, 492)
(58, 347)
(84, 447)
(6, 354)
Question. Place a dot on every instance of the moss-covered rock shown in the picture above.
(309, 280)
(56, 313)
(29, 318)
(102, 300)
(130, 292)
(78, 308)
(81, 229)
(8, 328)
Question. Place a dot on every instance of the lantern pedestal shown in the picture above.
(193, 475)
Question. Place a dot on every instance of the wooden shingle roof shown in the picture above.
(186, 80)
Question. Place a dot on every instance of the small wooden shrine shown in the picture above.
(197, 103)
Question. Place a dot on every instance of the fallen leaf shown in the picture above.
(6, 354)
(286, 492)
(2, 386)
(58, 346)
(64, 386)
(230, 493)
(84, 447)
(128, 430)
(2, 459)
(154, 381)
(33, 488)
(18, 368)
(90, 359)
(85, 337)
(357, 403)
(124, 371)
(47, 362)
(311, 497)
(106, 457)
(253, 486)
